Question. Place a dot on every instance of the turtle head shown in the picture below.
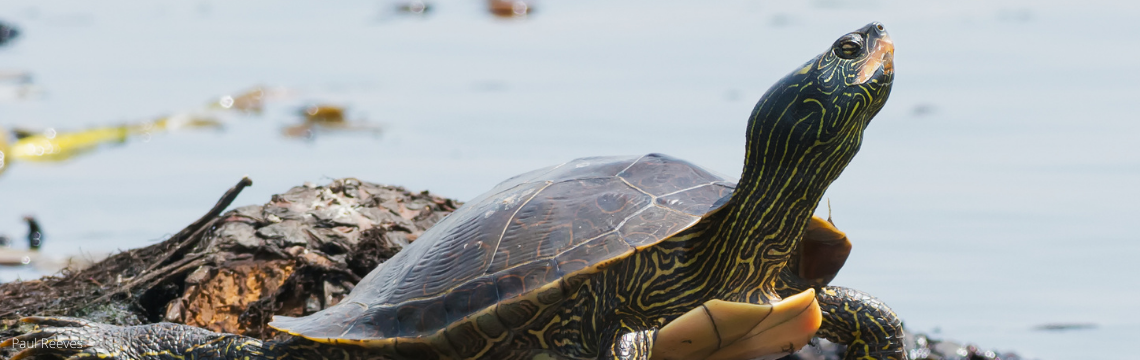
(810, 124)
(863, 58)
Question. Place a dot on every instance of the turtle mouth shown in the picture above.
(880, 60)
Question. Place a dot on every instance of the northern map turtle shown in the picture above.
(645, 257)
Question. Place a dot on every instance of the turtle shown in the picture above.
(630, 258)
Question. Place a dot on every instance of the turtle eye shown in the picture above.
(848, 46)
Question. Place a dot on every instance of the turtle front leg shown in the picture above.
(868, 327)
(72, 338)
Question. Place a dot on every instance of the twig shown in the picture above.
(185, 239)
(188, 234)
(179, 265)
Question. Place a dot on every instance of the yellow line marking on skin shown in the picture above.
(539, 333)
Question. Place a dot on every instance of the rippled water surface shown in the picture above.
(996, 192)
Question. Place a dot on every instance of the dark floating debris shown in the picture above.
(509, 8)
(923, 110)
(22, 133)
(14, 257)
(490, 86)
(1015, 15)
(732, 95)
(1064, 326)
(7, 33)
(780, 20)
(35, 234)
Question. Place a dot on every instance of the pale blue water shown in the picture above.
(1011, 203)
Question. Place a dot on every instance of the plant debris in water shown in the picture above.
(509, 8)
(321, 118)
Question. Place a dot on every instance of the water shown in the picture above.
(995, 192)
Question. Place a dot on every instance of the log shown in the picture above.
(301, 252)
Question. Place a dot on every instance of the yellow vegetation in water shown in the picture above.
(3, 150)
(50, 145)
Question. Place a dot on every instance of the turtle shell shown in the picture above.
(523, 237)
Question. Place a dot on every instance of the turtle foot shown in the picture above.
(723, 330)
(788, 327)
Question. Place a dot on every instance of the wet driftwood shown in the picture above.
(297, 254)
